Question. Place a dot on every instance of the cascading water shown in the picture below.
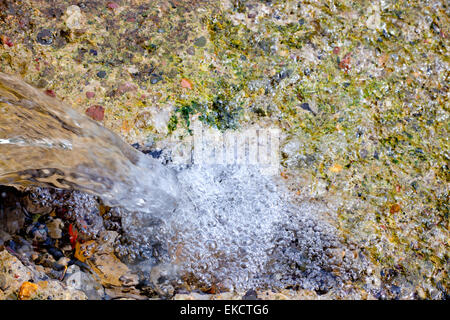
(43, 142)
(223, 225)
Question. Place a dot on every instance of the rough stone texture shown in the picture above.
(374, 73)
(13, 274)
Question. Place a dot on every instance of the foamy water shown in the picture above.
(225, 225)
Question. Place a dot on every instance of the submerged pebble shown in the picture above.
(45, 37)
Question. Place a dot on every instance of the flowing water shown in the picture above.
(43, 142)
(227, 225)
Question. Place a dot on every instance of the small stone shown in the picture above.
(126, 87)
(45, 37)
(93, 52)
(27, 289)
(191, 51)
(50, 93)
(54, 228)
(129, 280)
(250, 295)
(86, 283)
(6, 40)
(64, 261)
(101, 74)
(155, 79)
(336, 50)
(186, 83)
(305, 106)
(335, 168)
(200, 42)
(90, 94)
(73, 18)
(345, 63)
(395, 208)
(132, 69)
(96, 112)
(112, 5)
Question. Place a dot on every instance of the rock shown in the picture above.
(112, 5)
(96, 112)
(250, 295)
(27, 289)
(191, 51)
(132, 69)
(55, 228)
(73, 18)
(155, 78)
(11, 215)
(45, 37)
(186, 83)
(129, 280)
(90, 94)
(101, 74)
(124, 294)
(25, 282)
(305, 106)
(126, 87)
(192, 296)
(50, 93)
(6, 41)
(105, 264)
(200, 42)
(86, 283)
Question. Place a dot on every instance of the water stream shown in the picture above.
(221, 224)
(43, 142)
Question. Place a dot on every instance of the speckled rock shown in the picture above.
(13, 275)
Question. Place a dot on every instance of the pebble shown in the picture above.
(345, 63)
(132, 69)
(101, 74)
(45, 37)
(129, 280)
(74, 19)
(155, 79)
(250, 295)
(191, 51)
(305, 106)
(7, 41)
(112, 5)
(54, 228)
(186, 83)
(126, 87)
(90, 94)
(50, 93)
(200, 42)
(96, 112)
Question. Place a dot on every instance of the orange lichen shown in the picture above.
(27, 289)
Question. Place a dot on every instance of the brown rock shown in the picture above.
(126, 87)
(96, 112)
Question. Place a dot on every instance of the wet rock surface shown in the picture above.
(359, 90)
(69, 239)
(58, 240)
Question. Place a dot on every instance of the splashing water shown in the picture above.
(228, 226)
(43, 142)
